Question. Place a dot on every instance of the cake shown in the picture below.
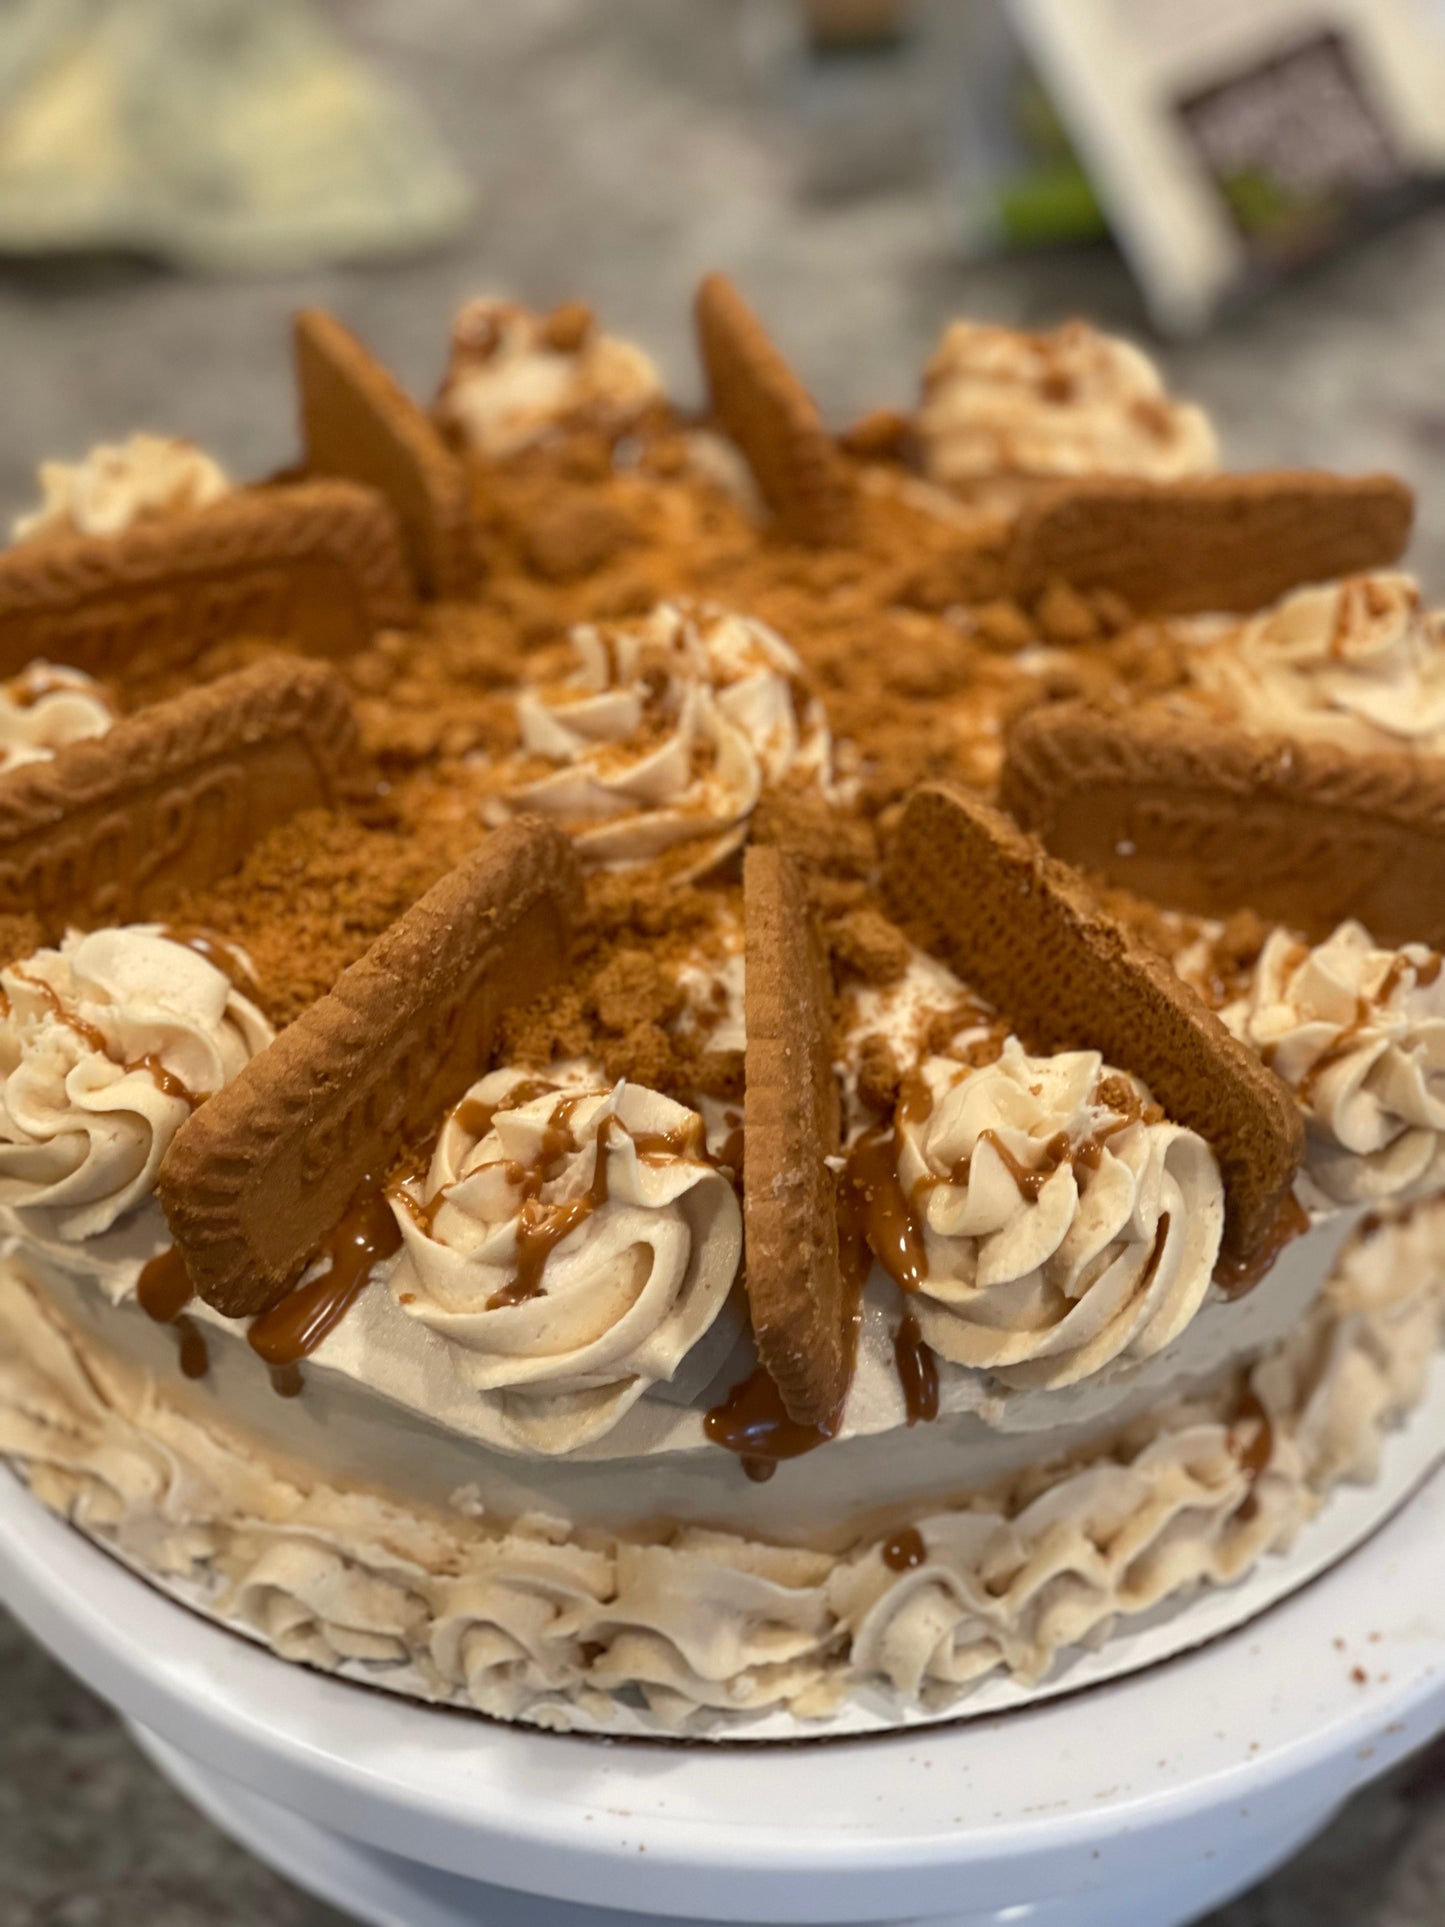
(662, 1069)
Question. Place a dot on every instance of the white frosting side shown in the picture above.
(118, 485)
(1357, 662)
(641, 1273)
(664, 736)
(525, 1615)
(1003, 409)
(1358, 1033)
(106, 1044)
(46, 707)
(512, 380)
(1103, 1258)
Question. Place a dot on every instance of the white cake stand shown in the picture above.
(1138, 1804)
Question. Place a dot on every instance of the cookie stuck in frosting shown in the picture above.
(262, 1174)
(1024, 929)
(1003, 411)
(762, 405)
(1222, 542)
(1157, 799)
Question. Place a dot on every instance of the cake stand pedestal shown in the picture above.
(1142, 1803)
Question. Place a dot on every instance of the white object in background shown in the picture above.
(1225, 137)
(1137, 1805)
(229, 135)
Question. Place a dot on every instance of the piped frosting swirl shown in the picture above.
(1003, 411)
(571, 1244)
(118, 485)
(516, 377)
(1358, 1033)
(46, 708)
(1068, 1226)
(664, 736)
(1357, 662)
(107, 1044)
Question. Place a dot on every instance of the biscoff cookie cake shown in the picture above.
(657, 1070)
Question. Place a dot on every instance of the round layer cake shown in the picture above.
(663, 1068)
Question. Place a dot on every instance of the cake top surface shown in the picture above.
(627, 890)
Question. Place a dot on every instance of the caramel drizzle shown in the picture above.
(218, 951)
(1425, 974)
(753, 1422)
(542, 1227)
(94, 1039)
(904, 1550)
(292, 1329)
(917, 1366)
(163, 1291)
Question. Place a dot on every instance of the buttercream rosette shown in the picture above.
(106, 1045)
(118, 485)
(47, 707)
(516, 377)
(641, 1274)
(1003, 411)
(1357, 662)
(1358, 1033)
(664, 736)
(1069, 1227)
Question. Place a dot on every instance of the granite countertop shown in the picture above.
(620, 148)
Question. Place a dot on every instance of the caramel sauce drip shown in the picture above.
(542, 1227)
(163, 1291)
(292, 1329)
(1236, 1277)
(164, 1288)
(917, 1371)
(221, 954)
(1254, 1458)
(753, 1422)
(904, 1550)
(877, 1211)
(287, 1381)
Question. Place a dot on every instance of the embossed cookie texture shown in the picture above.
(357, 421)
(792, 1119)
(1226, 542)
(263, 1171)
(173, 797)
(1023, 929)
(767, 411)
(317, 565)
(1197, 817)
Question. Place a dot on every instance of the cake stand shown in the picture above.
(1139, 1804)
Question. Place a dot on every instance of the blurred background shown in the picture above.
(177, 175)
(1253, 183)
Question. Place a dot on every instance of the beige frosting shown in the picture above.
(46, 707)
(105, 1046)
(696, 1629)
(1105, 1266)
(118, 485)
(664, 736)
(508, 385)
(1357, 662)
(1358, 1033)
(1003, 410)
(621, 1299)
